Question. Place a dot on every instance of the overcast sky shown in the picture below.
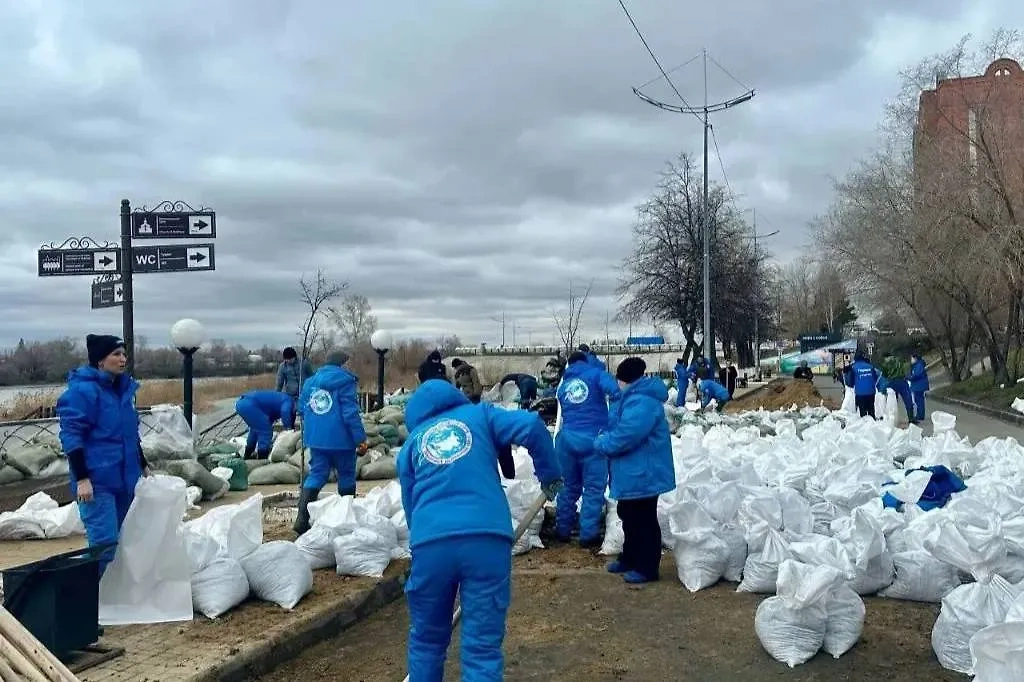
(450, 159)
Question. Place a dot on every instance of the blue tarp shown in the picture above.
(940, 489)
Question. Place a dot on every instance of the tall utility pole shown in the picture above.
(757, 313)
(501, 321)
(703, 113)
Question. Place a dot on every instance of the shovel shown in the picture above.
(531, 513)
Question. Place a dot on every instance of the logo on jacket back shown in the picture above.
(445, 442)
(576, 391)
(321, 402)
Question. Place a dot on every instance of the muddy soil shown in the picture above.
(574, 622)
(780, 396)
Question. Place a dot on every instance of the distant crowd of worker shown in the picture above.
(700, 374)
(908, 379)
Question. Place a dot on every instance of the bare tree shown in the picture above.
(317, 292)
(447, 344)
(568, 321)
(354, 318)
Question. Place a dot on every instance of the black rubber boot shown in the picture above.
(249, 451)
(347, 491)
(302, 518)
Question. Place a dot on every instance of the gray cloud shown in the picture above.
(452, 160)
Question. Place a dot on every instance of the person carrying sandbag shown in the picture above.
(708, 390)
(259, 410)
(99, 431)
(467, 380)
(460, 524)
(333, 431)
(583, 396)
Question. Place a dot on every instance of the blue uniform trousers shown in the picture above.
(102, 518)
(919, 405)
(321, 462)
(261, 429)
(585, 474)
(479, 569)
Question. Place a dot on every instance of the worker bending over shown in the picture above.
(709, 390)
(332, 430)
(460, 529)
(259, 410)
(583, 396)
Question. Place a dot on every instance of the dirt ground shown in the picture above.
(572, 621)
(782, 395)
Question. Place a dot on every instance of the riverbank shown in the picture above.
(207, 393)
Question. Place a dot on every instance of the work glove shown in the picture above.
(362, 448)
(551, 489)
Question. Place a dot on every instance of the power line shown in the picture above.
(729, 74)
(657, 63)
(721, 163)
(672, 70)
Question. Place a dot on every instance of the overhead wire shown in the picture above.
(657, 62)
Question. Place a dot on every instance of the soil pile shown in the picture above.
(782, 395)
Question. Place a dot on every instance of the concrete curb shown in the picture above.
(326, 622)
(1001, 415)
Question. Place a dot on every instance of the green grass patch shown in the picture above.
(984, 391)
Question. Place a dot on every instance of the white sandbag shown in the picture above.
(998, 653)
(362, 552)
(223, 473)
(737, 556)
(942, 422)
(849, 405)
(202, 550)
(58, 467)
(385, 500)
(30, 458)
(315, 545)
(613, 534)
(286, 444)
(171, 436)
(845, 623)
(219, 587)
(194, 473)
(965, 611)
(521, 495)
(761, 570)
(278, 572)
(700, 555)
(791, 626)
(40, 517)
(236, 528)
(381, 468)
(149, 580)
(921, 577)
(873, 565)
(277, 473)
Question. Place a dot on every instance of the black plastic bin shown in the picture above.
(57, 599)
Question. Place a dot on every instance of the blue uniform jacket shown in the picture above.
(583, 396)
(712, 389)
(275, 405)
(450, 484)
(682, 376)
(637, 442)
(330, 410)
(863, 378)
(99, 418)
(919, 377)
(595, 361)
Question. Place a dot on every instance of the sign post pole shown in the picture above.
(128, 302)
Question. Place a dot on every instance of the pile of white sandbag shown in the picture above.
(774, 500)
(41, 518)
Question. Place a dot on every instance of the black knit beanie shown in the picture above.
(630, 369)
(577, 356)
(99, 346)
(289, 353)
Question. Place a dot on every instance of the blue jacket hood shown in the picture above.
(652, 387)
(577, 369)
(433, 397)
(333, 378)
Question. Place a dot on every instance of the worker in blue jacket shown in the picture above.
(682, 381)
(638, 446)
(919, 385)
(592, 358)
(460, 528)
(709, 390)
(333, 431)
(863, 378)
(99, 431)
(583, 396)
(259, 410)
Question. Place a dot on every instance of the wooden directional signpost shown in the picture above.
(114, 267)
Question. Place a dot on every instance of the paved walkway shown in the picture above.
(972, 424)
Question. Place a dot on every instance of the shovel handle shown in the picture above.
(531, 514)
